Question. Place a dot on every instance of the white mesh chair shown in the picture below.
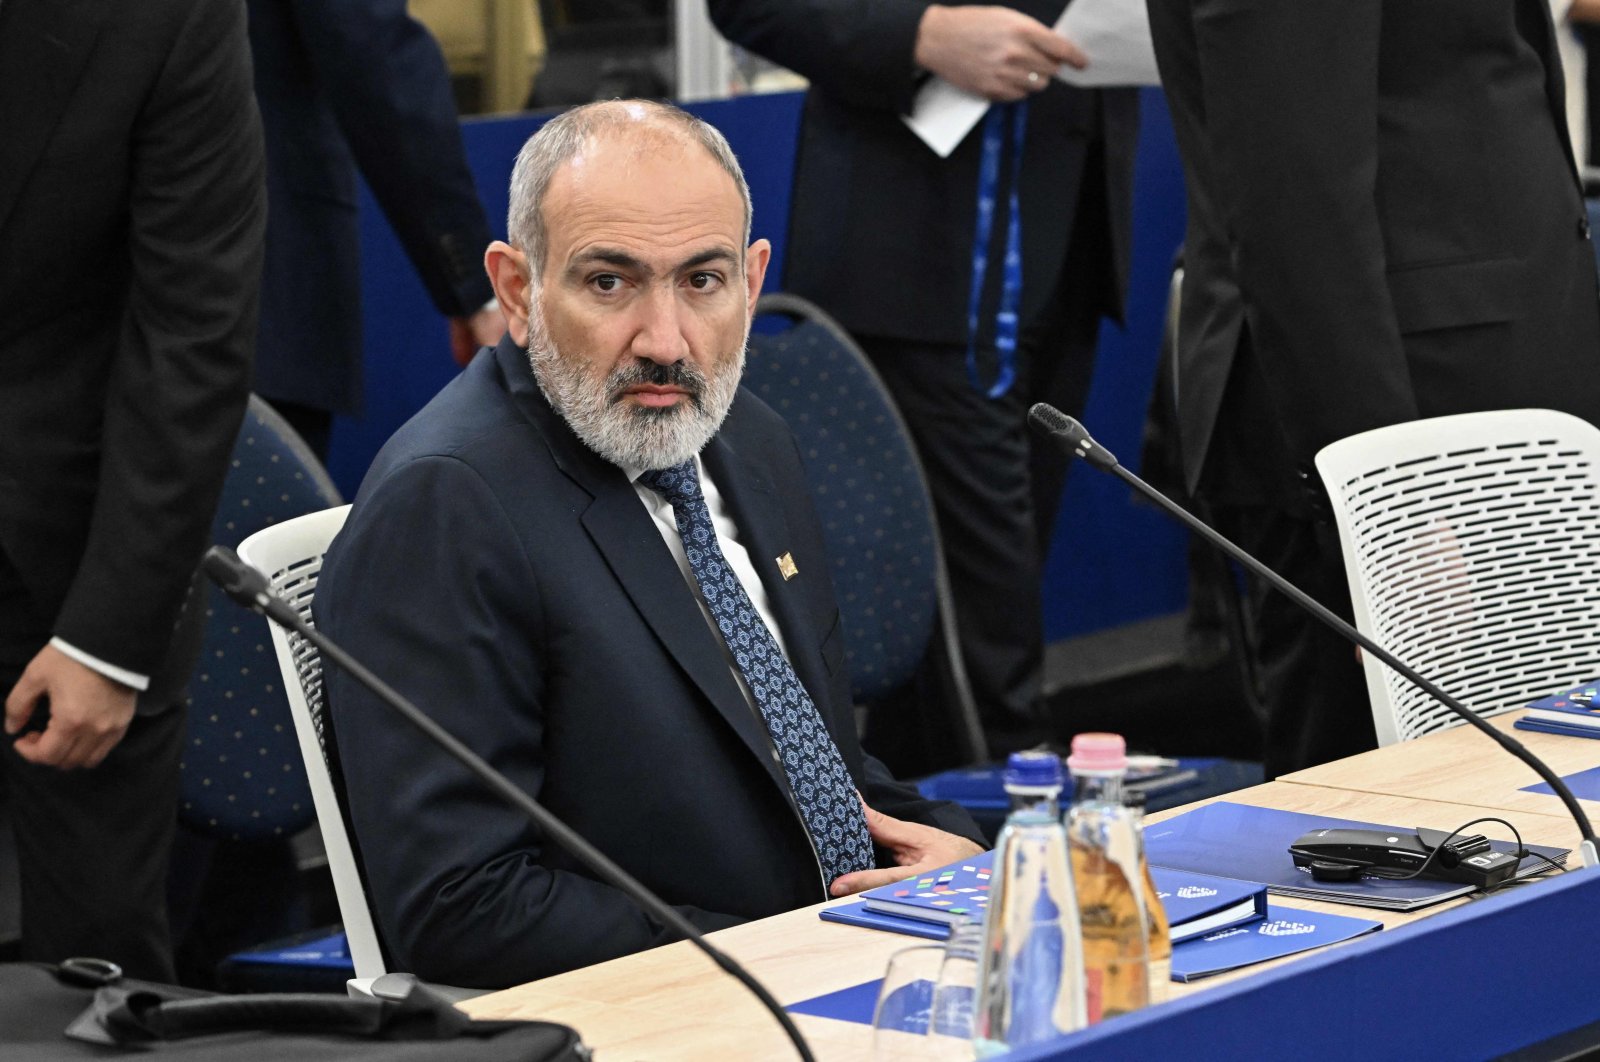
(289, 554)
(1472, 546)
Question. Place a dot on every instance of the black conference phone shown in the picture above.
(1345, 855)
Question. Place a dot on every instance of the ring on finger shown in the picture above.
(1033, 77)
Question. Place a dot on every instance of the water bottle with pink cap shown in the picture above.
(1106, 871)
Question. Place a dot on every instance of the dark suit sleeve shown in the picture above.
(1291, 107)
(859, 52)
(430, 586)
(390, 90)
(901, 800)
(180, 376)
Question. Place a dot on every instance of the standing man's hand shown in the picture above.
(995, 52)
(482, 329)
(89, 713)
(917, 848)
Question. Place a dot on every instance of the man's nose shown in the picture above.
(660, 335)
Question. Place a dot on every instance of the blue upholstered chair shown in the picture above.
(872, 498)
(243, 789)
(242, 779)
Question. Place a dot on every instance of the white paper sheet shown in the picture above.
(1115, 35)
(942, 115)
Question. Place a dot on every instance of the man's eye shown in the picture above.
(607, 282)
(704, 281)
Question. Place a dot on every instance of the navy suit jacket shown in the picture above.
(354, 83)
(509, 580)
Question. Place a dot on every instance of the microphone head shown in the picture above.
(1073, 437)
(1049, 420)
(232, 575)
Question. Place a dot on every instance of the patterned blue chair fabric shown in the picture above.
(242, 778)
(871, 496)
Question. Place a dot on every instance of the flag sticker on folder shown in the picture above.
(949, 895)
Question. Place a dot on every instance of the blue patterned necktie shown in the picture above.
(817, 775)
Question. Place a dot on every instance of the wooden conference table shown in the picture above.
(673, 1003)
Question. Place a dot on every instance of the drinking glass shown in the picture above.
(905, 1002)
(955, 994)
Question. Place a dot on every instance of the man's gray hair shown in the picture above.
(565, 136)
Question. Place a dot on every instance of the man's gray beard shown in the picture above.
(623, 433)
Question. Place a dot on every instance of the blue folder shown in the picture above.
(856, 914)
(1286, 931)
(1197, 904)
(1546, 726)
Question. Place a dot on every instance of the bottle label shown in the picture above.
(1111, 914)
(1094, 993)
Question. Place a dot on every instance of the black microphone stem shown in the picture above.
(1589, 850)
(261, 600)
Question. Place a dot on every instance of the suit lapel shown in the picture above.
(623, 532)
(44, 45)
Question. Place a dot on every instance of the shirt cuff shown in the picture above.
(131, 679)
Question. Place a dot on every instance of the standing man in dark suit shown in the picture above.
(357, 83)
(603, 572)
(131, 219)
(882, 235)
(1385, 223)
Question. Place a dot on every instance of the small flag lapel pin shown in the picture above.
(787, 568)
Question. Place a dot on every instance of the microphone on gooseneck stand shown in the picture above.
(248, 587)
(1074, 438)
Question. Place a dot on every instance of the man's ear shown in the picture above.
(508, 272)
(755, 271)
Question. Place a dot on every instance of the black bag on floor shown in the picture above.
(86, 1009)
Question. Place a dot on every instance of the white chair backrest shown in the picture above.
(290, 556)
(1472, 548)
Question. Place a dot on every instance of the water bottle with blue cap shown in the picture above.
(1030, 975)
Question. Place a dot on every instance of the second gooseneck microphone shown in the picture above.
(1074, 438)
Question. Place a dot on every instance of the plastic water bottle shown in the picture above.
(1159, 939)
(1030, 974)
(1106, 870)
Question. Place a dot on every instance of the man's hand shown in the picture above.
(482, 329)
(992, 51)
(1584, 11)
(89, 713)
(916, 849)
